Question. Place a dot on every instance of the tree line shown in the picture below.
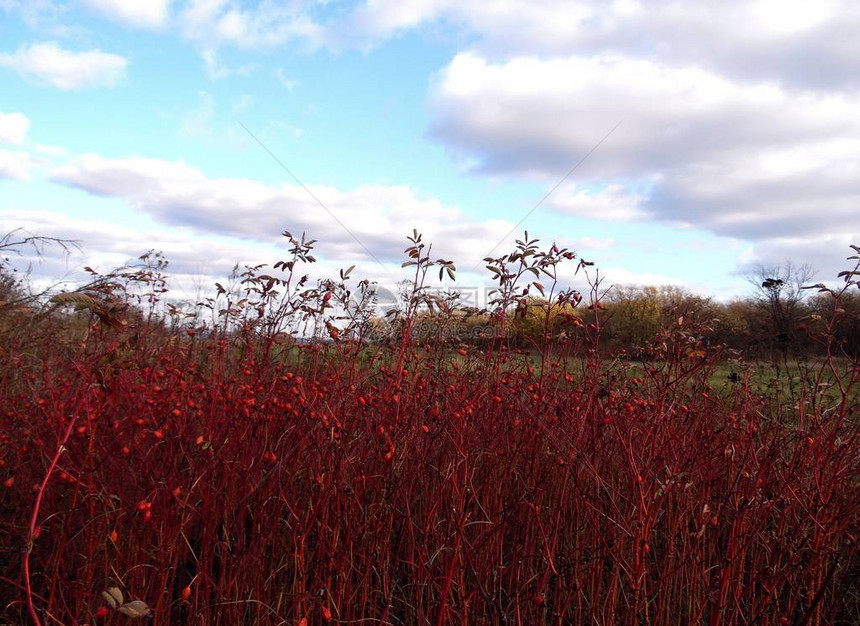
(781, 317)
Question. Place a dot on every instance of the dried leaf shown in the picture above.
(117, 594)
(109, 599)
(135, 609)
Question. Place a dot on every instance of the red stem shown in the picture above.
(31, 531)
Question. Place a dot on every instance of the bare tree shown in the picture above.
(778, 293)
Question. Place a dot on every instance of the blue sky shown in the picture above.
(739, 140)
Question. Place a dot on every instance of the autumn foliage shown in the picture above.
(195, 467)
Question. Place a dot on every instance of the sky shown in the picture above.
(682, 142)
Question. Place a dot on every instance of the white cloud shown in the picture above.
(740, 116)
(791, 41)
(130, 177)
(212, 23)
(64, 69)
(751, 160)
(539, 116)
(194, 261)
(613, 202)
(243, 210)
(790, 17)
(139, 13)
(13, 127)
(376, 20)
(15, 165)
(378, 217)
